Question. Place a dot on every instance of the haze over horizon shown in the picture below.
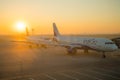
(71, 16)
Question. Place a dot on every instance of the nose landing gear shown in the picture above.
(103, 55)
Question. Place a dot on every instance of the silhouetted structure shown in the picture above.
(27, 32)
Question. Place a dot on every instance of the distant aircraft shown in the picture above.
(86, 43)
(117, 41)
(39, 41)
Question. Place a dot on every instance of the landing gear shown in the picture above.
(103, 56)
(44, 46)
(33, 45)
(41, 46)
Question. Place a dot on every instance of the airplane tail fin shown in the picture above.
(55, 30)
(27, 32)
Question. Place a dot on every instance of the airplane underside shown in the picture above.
(73, 51)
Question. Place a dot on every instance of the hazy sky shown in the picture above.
(71, 16)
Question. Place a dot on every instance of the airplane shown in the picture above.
(39, 41)
(86, 43)
(117, 41)
(36, 41)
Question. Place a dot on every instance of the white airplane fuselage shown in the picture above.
(86, 43)
(98, 44)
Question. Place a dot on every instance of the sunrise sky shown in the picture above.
(71, 16)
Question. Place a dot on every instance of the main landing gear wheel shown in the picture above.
(103, 56)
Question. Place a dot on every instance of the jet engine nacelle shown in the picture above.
(71, 50)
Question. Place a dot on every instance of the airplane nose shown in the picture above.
(115, 47)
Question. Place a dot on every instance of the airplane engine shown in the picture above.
(72, 50)
(117, 42)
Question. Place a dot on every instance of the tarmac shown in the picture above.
(18, 61)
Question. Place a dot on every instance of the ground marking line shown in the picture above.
(105, 74)
(68, 76)
(50, 77)
(31, 78)
(86, 75)
(106, 70)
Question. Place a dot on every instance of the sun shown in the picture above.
(20, 26)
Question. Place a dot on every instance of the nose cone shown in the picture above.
(115, 47)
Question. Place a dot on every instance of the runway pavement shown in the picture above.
(20, 62)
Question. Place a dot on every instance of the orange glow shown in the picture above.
(71, 17)
(20, 26)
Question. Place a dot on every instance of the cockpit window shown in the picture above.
(109, 43)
